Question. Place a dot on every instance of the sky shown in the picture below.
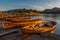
(28, 4)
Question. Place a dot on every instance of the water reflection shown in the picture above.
(53, 17)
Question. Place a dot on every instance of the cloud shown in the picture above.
(37, 7)
(30, 6)
(53, 4)
(34, 6)
(47, 5)
(3, 9)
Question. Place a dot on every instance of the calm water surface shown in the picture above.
(48, 17)
(51, 17)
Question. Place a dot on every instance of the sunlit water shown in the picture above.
(50, 17)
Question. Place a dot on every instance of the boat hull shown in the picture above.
(41, 30)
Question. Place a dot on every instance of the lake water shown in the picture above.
(53, 17)
(37, 37)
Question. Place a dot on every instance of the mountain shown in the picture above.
(54, 10)
(20, 11)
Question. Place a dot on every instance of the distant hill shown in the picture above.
(20, 11)
(52, 11)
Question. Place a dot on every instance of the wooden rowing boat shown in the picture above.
(31, 29)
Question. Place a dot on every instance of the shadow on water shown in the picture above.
(16, 35)
(44, 36)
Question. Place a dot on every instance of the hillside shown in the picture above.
(54, 10)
